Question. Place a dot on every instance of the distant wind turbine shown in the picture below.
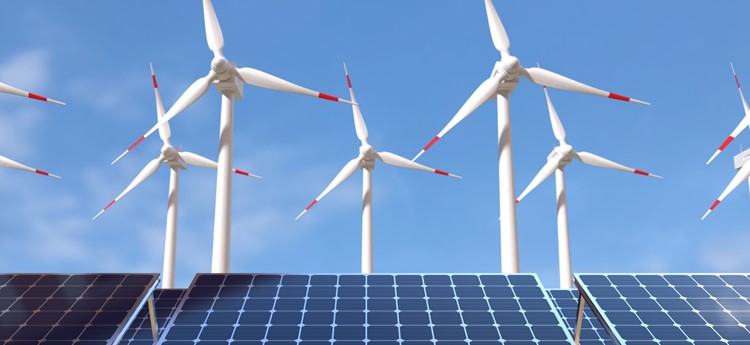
(557, 160)
(366, 161)
(176, 160)
(9, 163)
(745, 122)
(741, 163)
(228, 80)
(501, 83)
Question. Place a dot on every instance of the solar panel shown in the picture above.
(696, 309)
(165, 302)
(61, 308)
(592, 331)
(376, 309)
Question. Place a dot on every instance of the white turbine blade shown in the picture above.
(396, 160)
(499, 36)
(592, 159)
(745, 121)
(200, 161)
(213, 31)
(147, 171)
(347, 171)
(359, 120)
(546, 78)
(262, 79)
(9, 163)
(164, 131)
(557, 126)
(195, 91)
(482, 94)
(540, 177)
(5, 88)
(741, 176)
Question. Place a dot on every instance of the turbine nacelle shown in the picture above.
(563, 154)
(220, 65)
(172, 157)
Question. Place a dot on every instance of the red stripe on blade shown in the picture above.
(153, 77)
(110, 204)
(517, 199)
(348, 81)
(432, 142)
(311, 205)
(726, 142)
(641, 172)
(618, 97)
(37, 97)
(737, 81)
(238, 171)
(716, 203)
(42, 172)
(328, 97)
(136, 143)
(440, 172)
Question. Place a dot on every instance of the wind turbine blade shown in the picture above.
(540, 177)
(499, 36)
(214, 37)
(482, 94)
(165, 133)
(195, 91)
(345, 172)
(262, 79)
(396, 160)
(741, 176)
(546, 78)
(745, 121)
(5, 88)
(9, 163)
(557, 126)
(359, 120)
(147, 171)
(592, 159)
(200, 161)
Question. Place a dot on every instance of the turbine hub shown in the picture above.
(169, 152)
(368, 152)
(509, 65)
(219, 64)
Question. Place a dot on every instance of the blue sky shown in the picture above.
(413, 64)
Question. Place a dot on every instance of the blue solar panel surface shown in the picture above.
(382, 309)
(697, 309)
(592, 331)
(57, 309)
(165, 304)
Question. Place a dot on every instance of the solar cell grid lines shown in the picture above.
(84, 309)
(675, 309)
(407, 309)
(165, 302)
(592, 331)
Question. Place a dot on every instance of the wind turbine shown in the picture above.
(501, 83)
(557, 160)
(176, 160)
(8, 163)
(228, 80)
(744, 123)
(741, 163)
(366, 161)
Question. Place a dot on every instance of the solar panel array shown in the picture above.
(380, 309)
(592, 331)
(691, 309)
(165, 304)
(85, 309)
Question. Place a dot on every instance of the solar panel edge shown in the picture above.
(557, 312)
(617, 339)
(134, 312)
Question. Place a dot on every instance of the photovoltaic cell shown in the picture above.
(566, 302)
(696, 309)
(165, 304)
(85, 309)
(381, 309)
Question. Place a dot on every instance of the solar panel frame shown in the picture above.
(566, 302)
(166, 302)
(690, 313)
(339, 303)
(44, 306)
